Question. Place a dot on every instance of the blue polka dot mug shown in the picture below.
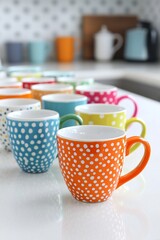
(33, 135)
(11, 105)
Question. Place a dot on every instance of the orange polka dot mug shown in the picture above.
(40, 90)
(14, 93)
(108, 115)
(91, 160)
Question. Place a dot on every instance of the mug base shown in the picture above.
(91, 201)
(34, 172)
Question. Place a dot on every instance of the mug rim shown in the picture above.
(32, 115)
(61, 98)
(10, 84)
(9, 79)
(17, 102)
(95, 87)
(99, 131)
(52, 87)
(14, 91)
(112, 109)
(74, 79)
(37, 80)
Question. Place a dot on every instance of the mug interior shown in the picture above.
(10, 84)
(8, 80)
(88, 133)
(37, 80)
(16, 102)
(96, 88)
(64, 98)
(52, 87)
(14, 91)
(33, 115)
(75, 80)
(99, 109)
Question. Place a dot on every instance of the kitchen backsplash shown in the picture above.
(37, 19)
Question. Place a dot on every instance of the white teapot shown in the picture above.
(104, 47)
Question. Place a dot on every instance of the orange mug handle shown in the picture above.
(138, 169)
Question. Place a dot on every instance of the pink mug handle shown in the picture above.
(119, 99)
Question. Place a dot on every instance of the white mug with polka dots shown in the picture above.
(11, 105)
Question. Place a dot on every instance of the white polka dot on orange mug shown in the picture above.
(92, 164)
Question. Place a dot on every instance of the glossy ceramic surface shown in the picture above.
(99, 93)
(29, 82)
(11, 105)
(91, 163)
(109, 115)
(32, 135)
(63, 104)
(44, 89)
(15, 93)
(75, 81)
(33, 139)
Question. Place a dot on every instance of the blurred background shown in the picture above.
(25, 22)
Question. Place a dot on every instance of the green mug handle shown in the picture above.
(143, 132)
(67, 117)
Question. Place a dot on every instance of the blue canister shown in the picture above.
(38, 52)
(14, 52)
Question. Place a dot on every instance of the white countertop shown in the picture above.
(39, 206)
(148, 73)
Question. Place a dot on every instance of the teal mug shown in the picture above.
(38, 51)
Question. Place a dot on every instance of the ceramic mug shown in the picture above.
(33, 135)
(14, 52)
(8, 79)
(11, 105)
(75, 81)
(101, 93)
(40, 90)
(108, 115)
(38, 52)
(57, 74)
(29, 82)
(9, 84)
(91, 160)
(20, 75)
(65, 48)
(63, 104)
(14, 93)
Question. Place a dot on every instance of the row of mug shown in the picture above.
(64, 104)
(38, 52)
(96, 93)
(20, 72)
(91, 157)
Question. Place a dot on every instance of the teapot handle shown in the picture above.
(119, 43)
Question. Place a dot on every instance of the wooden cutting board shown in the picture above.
(92, 24)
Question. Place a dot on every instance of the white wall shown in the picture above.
(25, 20)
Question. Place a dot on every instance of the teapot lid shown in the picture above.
(103, 31)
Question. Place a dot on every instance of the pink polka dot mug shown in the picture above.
(101, 93)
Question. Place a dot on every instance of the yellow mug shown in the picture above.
(108, 115)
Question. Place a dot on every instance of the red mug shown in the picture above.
(99, 93)
(29, 82)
